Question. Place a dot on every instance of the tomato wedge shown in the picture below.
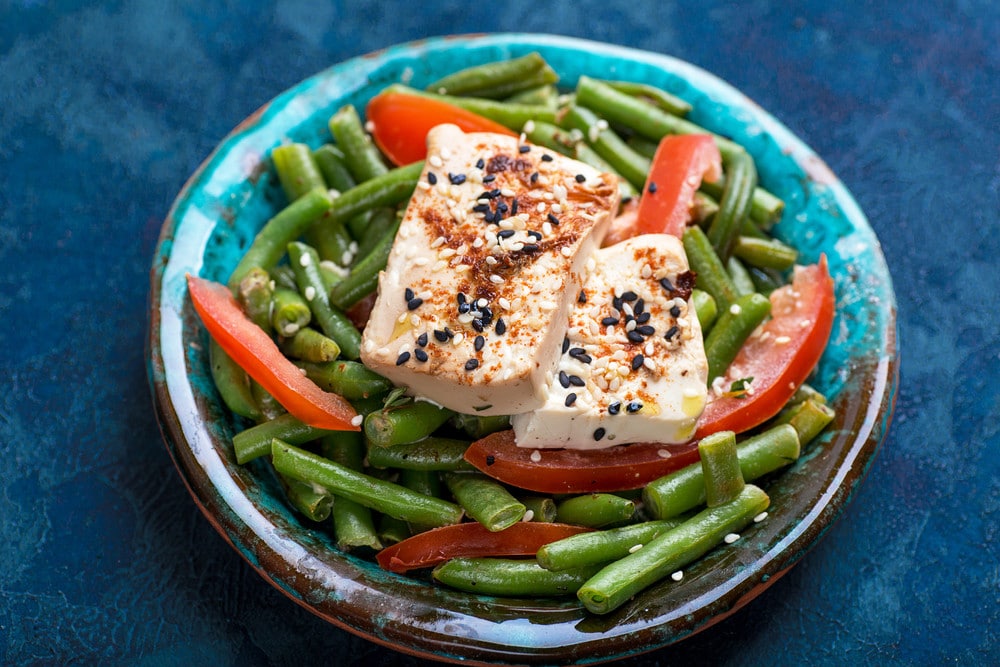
(680, 164)
(780, 355)
(257, 354)
(471, 540)
(577, 471)
(402, 122)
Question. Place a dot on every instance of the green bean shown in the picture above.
(333, 322)
(402, 424)
(703, 209)
(426, 482)
(806, 392)
(595, 510)
(289, 224)
(546, 95)
(765, 209)
(332, 240)
(312, 502)
(254, 294)
(296, 169)
(656, 96)
(617, 582)
(255, 441)
(765, 281)
(363, 278)
(643, 146)
(808, 418)
(380, 495)
(765, 253)
(353, 524)
(601, 546)
(283, 277)
(712, 275)
(508, 577)
(331, 274)
(289, 311)
(720, 467)
(270, 408)
(641, 117)
(332, 165)
(389, 189)
(382, 221)
(485, 500)
(734, 326)
(477, 426)
(511, 115)
(392, 530)
(734, 206)
(684, 489)
(740, 276)
(608, 145)
(366, 406)
(361, 156)
(310, 345)
(705, 309)
(232, 382)
(539, 509)
(350, 379)
(431, 453)
(497, 79)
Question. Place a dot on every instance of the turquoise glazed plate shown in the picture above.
(233, 193)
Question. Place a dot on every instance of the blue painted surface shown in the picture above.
(105, 110)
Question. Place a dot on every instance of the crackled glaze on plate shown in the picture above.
(232, 194)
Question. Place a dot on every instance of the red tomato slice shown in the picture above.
(577, 471)
(402, 122)
(780, 355)
(471, 540)
(257, 354)
(680, 164)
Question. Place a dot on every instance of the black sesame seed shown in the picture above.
(422, 339)
(629, 296)
(577, 351)
(461, 298)
(432, 178)
(570, 399)
(616, 303)
(414, 303)
(637, 362)
(609, 321)
(633, 407)
(480, 163)
(490, 459)
(675, 311)
(614, 408)
(671, 332)
(421, 355)
(502, 207)
(564, 379)
(639, 306)
(634, 336)
(456, 179)
(408, 294)
(524, 148)
(642, 318)
(530, 247)
(501, 327)
(646, 329)
(472, 364)
(464, 308)
(599, 433)
(534, 177)
(553, 219)
(535, 235)
(577, 381)
(481, 208)
(666, 284)
(402, 358)
(440, 336)
(479, 343)
(449, 333)
(513, 207)
(477, 324)
(580, 178)
(652, 187)
(565, 345)
(582, 298)
(505, 233)
(489, 178)
(546, 157)
(487, 314)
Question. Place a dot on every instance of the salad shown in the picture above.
(537, 340)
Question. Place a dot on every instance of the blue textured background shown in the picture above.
(106, 108)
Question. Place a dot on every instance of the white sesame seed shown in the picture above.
(357, 419)
(602, 124)
(439, 265)
(630, 326)
(649, 349)
(536, 456)
(547, 228)
(421, 261)
(649, 364)
(529, 514)
(310, 293)
(782, 340)
(635, 547)
(507, 192)
(495, 279)
(730, 538)
(593, 133)
(548, 305)
(435, 161)
(556, 208)
(466, 318)
(541, 207)
(735, 309)
(760, 517)
(423, 185)
(677, 576)
(446, 253)
(529, 127)
(645, 271)
(305, 260)
(491, 260)
(438, 242)
(457, 338)
(461, 268)
(566, 251)
(402, 317)
(663, 453)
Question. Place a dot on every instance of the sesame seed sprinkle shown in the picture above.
(677, 576)
(599, 433)
(356, 420)
(730, 538)
(402, 358)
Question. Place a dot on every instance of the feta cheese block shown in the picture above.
(489, 256)
(633, 367)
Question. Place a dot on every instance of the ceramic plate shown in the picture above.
(232, 194)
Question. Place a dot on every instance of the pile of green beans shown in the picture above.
(404, 473)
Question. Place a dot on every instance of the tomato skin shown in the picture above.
(255, 352)
(618, 468)
(778, 369)
(471, 540)
(680, 164)
(402, 122)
